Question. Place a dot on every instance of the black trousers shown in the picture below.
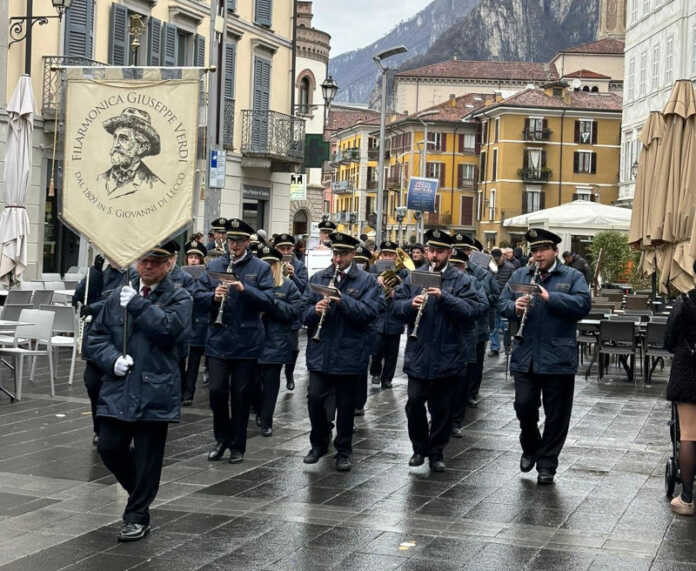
(460, 396)
(361, 393)
(437, 395)
(229, 386)
(556, 391)
(475, 370)
(270, 385)
(139, 469)
(321, 389)
(188, 387)
(93, 383)
(290, 367)
(385, 357)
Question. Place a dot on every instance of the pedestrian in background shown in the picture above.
(504, 271)
(680, 339)
(579, 263)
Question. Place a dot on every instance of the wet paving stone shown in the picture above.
(60, 508)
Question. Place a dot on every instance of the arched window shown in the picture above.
(304, 96)
(586, 88)
(594, 89)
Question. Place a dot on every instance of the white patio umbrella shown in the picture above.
(14, 220)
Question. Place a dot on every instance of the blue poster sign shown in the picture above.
(422, 193)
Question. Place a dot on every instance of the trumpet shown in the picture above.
(221, 310)
(390, 278)
(523, 322)
(317, 334)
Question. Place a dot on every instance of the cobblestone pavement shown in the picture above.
(60, 509)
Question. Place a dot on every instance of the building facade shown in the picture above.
(542, 148)
(245, 107)
(660, 48)
(312, 62)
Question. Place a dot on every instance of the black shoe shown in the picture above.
(493, 353)
(359, 412)
(376, 380)
(235, 457)
(387, 385)
(133, 531)
(290, 384)
(187, 402)
(266, 431)
(217, 452)
(527, 463)
(457, 431)
(544, 478)
(343, 463)
(416, 460)
(313, 456)
(95, 440)
(472, 403)
(437, 465)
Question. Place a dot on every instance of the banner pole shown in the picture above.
(125, 317)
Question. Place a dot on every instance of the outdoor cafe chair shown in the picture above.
(68, 284)
(637, 302)
(39, 329)
(644, 314)
(50, 277)
(54, 285)
(17, 296)
(31, 285)
(64, 329)
(654, 348)
(617, 339)
(613, 295)
(11, 311)
(42, 297)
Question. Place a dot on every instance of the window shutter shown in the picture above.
(169, 41)
(476, 175)
(577, 132)
(576, 162)
(524, 202)
(262, 84)
(263, 13)
(460, 176)
(542, 200)
(443, 138)
(594, 132)
(199, 51)
(231, 5)
(230, 56)
(442, 174)
(594, 163)
(483, 167)
(494, 174)
(79, 29)
(477, 144)
(460, 143)
(154, 42)
(525, 160)
(118, 40)
(543, 158)
(545, 124)
(467, 213)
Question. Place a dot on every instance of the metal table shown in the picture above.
(7, 324)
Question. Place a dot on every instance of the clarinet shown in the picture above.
(221, 311)
(520, 332)
(83, 320)
(317, 335)
(419, 315)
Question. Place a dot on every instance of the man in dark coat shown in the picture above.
(297, 272)
(337, 359)
(545, 360)
(502, 276)
(219, 230)
(140, 394)
(437, 355)
(233, 347)
(103, 279)
(580, 264)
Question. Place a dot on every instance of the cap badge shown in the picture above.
(194, 244)
(339, 236)
(436, 234)
(533, 234)
(266, 250)
(234, 223)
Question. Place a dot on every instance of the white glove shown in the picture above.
(122, 365)
(127, 293)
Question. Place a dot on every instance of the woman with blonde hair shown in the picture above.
(278, 344)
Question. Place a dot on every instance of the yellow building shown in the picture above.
(451, 157)
(542, 148)
(246, 107)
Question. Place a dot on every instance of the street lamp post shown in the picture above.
(420, 221)
(329, 88)
(378, 59)
(18, 32)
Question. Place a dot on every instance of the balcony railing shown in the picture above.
(342, 187)
(393, 182)
(536, 134)
(345, 156)
(373, 154)
(535, 175)
(273, 136)
(585, 196)
(52, 88)
(228, 125)
(437, 219)
(372, 185)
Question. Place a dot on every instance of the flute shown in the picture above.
(317, 335)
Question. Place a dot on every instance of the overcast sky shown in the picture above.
(356, 23)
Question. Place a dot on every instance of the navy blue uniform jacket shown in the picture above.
(300, 279)
(278, 321)
(446, 338)
(342, 349)
(549, 346)
(156, 325)
(242, 333)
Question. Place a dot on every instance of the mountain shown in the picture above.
(356, 73)
(514, 30)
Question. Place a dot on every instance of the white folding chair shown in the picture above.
(31, 285)
(51, 277)
(54, 285)
(42, 297)
(64, 329)
(10, 312)
(18, 296)
(40, 330)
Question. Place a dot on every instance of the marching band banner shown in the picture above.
(130, 156)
